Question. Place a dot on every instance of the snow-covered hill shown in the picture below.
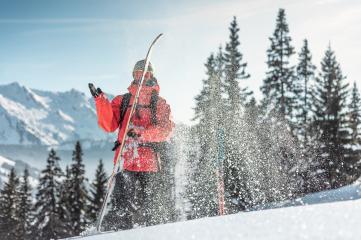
(349, 192)
(339, 220)
(34, 117)
(7, 164)
(305, 218)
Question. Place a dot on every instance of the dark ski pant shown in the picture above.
(134, 200)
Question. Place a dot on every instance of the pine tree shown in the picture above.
(201, 187)
(65, 203)
(277, 86)
(98, 190)
(77, 192)
(303, 91)
(8, 204)
(354, 117)
(235, 70)
(202, 99)
(208, 111)
(330, 115)
(24, 209)
(48, 222)
(302, 121)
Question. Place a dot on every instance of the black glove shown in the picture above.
(131, 133)
(95, 92)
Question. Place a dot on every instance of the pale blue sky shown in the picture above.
(58, 45)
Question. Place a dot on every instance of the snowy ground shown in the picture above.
(349, 192)
(338, 220)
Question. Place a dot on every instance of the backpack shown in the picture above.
(158, 147)
(153, 110)
(153, 107)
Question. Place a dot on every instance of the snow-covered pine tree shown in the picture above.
(192, 153)
(65, 203)
(24, 208)
(354, 118)
(303, 90)
(97, 192)
(277, 85)
(78, 193)
(303, 116)
(202, 190)
(202, 99)
(235, 70)
(330, 118)
(47, 224)
(234, 74)
(8, 204)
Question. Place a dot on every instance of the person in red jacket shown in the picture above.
(150, 125)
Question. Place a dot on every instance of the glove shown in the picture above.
(93, 91)
(133, 133)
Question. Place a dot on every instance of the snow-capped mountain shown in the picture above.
(35, 117)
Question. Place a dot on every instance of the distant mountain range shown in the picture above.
(33, 121)
(7, 164)
(35, 117)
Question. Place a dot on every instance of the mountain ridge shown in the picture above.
(38, 117)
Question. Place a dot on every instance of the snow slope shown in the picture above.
(339, 220)
(34, 117)
(349, 192)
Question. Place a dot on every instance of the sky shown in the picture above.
(58, 45)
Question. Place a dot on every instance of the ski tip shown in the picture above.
(159, 36)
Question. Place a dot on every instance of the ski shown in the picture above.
(117, 166)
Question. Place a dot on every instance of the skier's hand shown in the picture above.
(133, 133)
(95, 92)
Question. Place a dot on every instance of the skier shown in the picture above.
(134, 194)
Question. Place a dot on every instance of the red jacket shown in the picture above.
(137, 158)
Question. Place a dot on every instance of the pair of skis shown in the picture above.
(118, 166)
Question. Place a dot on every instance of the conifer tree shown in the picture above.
(202, 99)
(234, 74)
(48, 222)
(277, 85)
(201, 187)
(65, 204)
(97, 191)
(303, 91)
(354, 118)
(77, 192)
(24, 209)
(330, 115)
(235, 70)
(208, 105)
(8, 205)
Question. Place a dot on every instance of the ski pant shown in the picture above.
(134, 200)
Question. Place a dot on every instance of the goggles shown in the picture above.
(148, 83)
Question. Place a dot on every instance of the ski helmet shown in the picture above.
(139, 66)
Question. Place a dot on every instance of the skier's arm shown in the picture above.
(162, 131)
(108, 112)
